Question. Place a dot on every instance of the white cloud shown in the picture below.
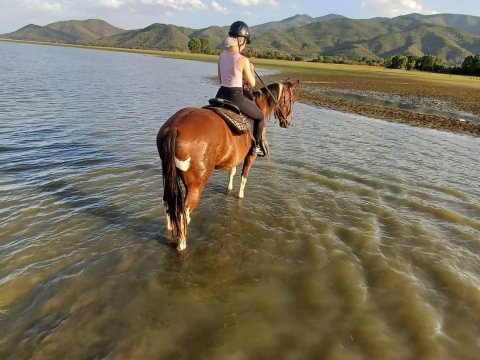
(255, 2)
(45, 6)
(394, 8)
(112, 4)
(182, 5)
(219, 8)
(178, 5)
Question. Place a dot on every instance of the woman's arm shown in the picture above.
(219, 75)
(247, 71)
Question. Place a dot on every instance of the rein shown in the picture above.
(275, 101)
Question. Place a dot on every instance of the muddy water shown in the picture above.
(359, 239)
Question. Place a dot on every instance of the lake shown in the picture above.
(358, 239)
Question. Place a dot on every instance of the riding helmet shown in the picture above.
(239, 28)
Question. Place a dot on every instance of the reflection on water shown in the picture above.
(359, 239)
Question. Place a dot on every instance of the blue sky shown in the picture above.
(197, 14)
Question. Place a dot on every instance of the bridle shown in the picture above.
(277, 106)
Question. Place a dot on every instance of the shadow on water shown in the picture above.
(101, 207)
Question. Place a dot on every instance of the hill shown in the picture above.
(87, 30)
(464, 22)
(155, 36)
(40, 33)
(72, 31)
(449, 36)
(291, 23)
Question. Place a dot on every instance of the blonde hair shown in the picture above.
(231, 42)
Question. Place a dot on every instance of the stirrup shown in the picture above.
(257, 150)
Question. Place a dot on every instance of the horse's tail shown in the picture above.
(173, 199)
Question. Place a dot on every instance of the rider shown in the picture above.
(234, 70)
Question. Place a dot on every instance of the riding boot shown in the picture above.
(257, 148)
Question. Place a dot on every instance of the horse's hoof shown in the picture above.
(181, 246)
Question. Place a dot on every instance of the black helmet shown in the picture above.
(239, 28)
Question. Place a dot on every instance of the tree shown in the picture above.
(471, 65)
(430, 63)
(399, 62)
(205, 45)
(412, 62)
(195, 45)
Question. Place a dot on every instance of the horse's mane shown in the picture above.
(275, 89)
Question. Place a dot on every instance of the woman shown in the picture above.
(234, 70)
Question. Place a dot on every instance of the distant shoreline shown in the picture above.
(457, 92)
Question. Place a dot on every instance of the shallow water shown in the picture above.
(359, 239)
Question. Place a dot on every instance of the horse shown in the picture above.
(195, 141)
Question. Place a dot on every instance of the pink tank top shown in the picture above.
(230, 75)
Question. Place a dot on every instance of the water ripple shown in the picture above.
(357, 239)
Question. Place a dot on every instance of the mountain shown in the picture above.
(444, 42)
(464, 22)
(449, 36)
(155, 36)
(40, 33)
(73, 31)
(291, 23)
(86, 30)
(216, 34)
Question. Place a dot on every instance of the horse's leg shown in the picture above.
(233, 170)
(192, 198)
(247, 164)
(170, 234)
(182, 234)
(194, 178)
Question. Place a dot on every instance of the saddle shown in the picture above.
(236, 121)
(232, 115)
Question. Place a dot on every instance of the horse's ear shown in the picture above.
(296, 83)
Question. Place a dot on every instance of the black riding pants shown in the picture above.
(246, 106)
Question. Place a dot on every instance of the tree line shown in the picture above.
(431, 63)
(470, 65)
(200, 46)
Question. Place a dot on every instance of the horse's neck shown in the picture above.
(270, 97)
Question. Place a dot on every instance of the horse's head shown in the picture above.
(286, 98)
(279, 98)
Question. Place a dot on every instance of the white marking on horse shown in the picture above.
(241, 193)
(182, 239)
(233, 170)
(183, 164)
(182, 243)
(280, 91)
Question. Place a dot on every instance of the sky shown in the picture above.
(198, 14)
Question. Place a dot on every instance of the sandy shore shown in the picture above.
(447, 106)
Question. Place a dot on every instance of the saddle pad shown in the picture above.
(239, 124)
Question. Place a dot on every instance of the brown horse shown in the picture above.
(195, 141)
